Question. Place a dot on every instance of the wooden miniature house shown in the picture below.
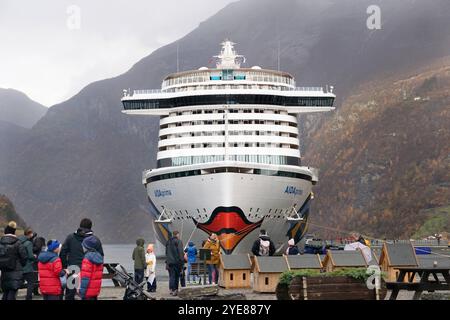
(267, 271)
(431, 260)
(235, 271)
(395, 255)
(305, 261)
(340, 259)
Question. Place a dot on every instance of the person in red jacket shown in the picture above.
(50, 271)
(91, 269)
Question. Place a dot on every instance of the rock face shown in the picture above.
(8, 213)
(384, 157)
(18, 109)
(85, 158)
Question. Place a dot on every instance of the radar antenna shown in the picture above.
(228, 59)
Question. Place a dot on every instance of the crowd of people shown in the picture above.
(65, 270)
(75, 267)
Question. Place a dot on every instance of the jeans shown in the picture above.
(30, 278)
(138, 275)
(70, 294)
(174, 276)
(213, 273)
(189, 271)
(9, 295)
(183, 277)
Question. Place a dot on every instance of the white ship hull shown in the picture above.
(233, 205)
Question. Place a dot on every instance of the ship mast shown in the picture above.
(228, 59)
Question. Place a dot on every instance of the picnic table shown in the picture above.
(424, 283)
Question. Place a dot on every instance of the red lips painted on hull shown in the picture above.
(230, 225)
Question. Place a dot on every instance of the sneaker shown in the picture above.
(175, 293)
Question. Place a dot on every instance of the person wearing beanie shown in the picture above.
(72, 252)
(263, 246)
(138, 257)
(150, 274)
(13, 257)
(91, 269)
(51, 272)
(11, 228)
(292, 248)
(191, 257)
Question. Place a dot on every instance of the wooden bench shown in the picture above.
(199, 269)
(425, 284)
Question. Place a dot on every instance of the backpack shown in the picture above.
(7, 261)
(264, 247)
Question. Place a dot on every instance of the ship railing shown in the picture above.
(146, 91)
(305, 89)
(152, 91)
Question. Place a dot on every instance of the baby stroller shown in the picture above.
(133, 290)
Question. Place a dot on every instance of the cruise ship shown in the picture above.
(228, 158)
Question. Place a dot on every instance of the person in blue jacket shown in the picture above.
(191, 253)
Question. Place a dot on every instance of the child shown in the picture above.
(191, 253)
(91, 269)
(150, 259)
(50, 271)
(292, 248)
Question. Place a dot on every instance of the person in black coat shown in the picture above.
(12, 278)
(174, 261)
(263, 246)
(72, 253)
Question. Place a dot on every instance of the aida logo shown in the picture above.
(162, 193)
(293, 190)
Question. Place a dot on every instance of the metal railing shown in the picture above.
(146, 91)
(302, 89)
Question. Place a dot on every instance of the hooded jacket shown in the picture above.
(72, 251)
(191, 252)
(174, 252)
(28, 244)
(13, 279)
(257, 243)
(139, 255)
(91, 275)
(50, 269)
(214, 246)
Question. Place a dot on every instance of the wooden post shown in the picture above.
(305, 289)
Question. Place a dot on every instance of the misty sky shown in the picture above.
(43, 57)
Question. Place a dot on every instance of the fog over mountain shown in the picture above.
(18, 109)
(85, 158)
